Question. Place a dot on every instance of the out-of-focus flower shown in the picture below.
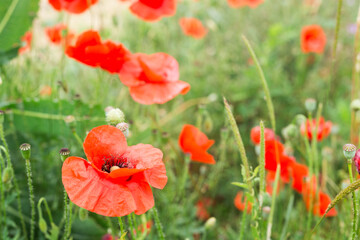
(193, 27)
(109, 237)
(153, 10)
(202, 208)
(196, 143)
(324, 128)
(313, 39)
(242, 203)
(255, 134)
(59, 34)
(299, 172)
(26, 42)
(244, 3)
(153, 78)
(356, 160)
(45, 91)
(72, 6)
(142, 228)
(116, 180)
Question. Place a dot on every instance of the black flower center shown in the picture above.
(114, 161)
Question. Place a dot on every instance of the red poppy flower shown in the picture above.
(153, 10)
(153, 78)
(59, 34)
(116, 180)
(196, 143)
(108, 237)
(244, 3)
(324, 128)
(91, 51)
(270, 179)
(255, 134)
(26, 40)
(271, 159)
(193, 27)
(72, 6)
(313, 39)
(142, 228)
(202, 208)
(298, 173)
(240, 203)
(356, 160)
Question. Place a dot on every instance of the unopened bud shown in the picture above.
(64, 153)
(7, 175)
(300, 119)
(290, 132)
(208, 124)
(25, 149)
(355, 105)
(210, 223)
(349, 151)
(115, 116)
(42, 225)
(310, 104)
(124, 127)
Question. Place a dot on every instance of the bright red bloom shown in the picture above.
(244, 3)
(153, 78)
(196, 143)
(193, 27)
(116, 180)
(356, 160)
(298, 173)
(271, 156)
(153, 10)
(26, 40)
(241, 203)
(255, 134)
(72, 6)
(90, 50)
(202, 208)
(324, 128)
(59, 34)
(313, 39)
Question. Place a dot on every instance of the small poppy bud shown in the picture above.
(355, 105)
(115, 116)
(83, 214)
(2, 113)
(42, 225)
(25, 149)
(124, 127)
(300, 119)
(7, 175)
(349, 151)
(290, 132)
(64, 153)
(210, 223)
(356, 160)
(310, 104)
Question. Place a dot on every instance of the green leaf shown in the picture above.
(239, 184)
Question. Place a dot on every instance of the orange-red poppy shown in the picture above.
(153, 10)
(59, 34)
(324, 128)
(26, 42)
(255, 134)
(298, 172)
(116, 180)
(90, 50)
(313, 39)
(196, 143)
(109, 237)
(242, 203)
(244, 3)
(273, 154)
(153, 78)
(72, 6)
(45, 91)
(193, 27)
(202, 208)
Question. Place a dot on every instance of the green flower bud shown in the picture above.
(7, 175)
(310, 104)
(25, 149)
(210, 223)
(64, 153)
(355, 105)
(42, 225)
(290, 132)
(115, 116)
(349, 151)
(300, 119)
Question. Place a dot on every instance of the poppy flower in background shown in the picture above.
(45, 91)
(59, 34)
(240, 203)
(324, 128)
(313, 39)
(142, 228)
(270, 179)
(196, 143)
(202, 208)
(153, 78)
(255, 134)
(90, 50)
(244, 3)
(356, 160)
(116, 180)
(153, 10)
(108, 237)
(26, 42)
(272, 148)
(72, 6)
(193, 27)
(298, 172)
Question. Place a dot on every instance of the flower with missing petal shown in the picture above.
(116, 179)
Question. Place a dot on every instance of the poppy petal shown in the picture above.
(146, 10)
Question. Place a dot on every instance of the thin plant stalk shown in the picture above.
(131, 226)
(158, 224)
(337, 28)
(287, 218)
(273, 202)
(31, 195)
(355, 211)
(243, 223)
(121, 225)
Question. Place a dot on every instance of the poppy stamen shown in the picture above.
(114, 163)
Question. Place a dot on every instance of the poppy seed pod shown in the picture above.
(64, 153)
(42, 225)
(349, 151)
(124, 127)
(115, 116)
(310, 104)
(25, 149)
(300, 119)
(290, 132)
(355, 105)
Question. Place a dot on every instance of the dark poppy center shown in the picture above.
(114, 162)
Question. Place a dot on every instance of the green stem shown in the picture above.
(121, 224)
(273, 202)
(337, 28)
(131, 226)
(243, 222)
(287, 218)
(184, 176)
(158, 224)
(354, 222)
(31, 195)
(66, 216)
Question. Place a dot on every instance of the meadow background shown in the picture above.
(215, 66)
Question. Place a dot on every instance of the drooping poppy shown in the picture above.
(255, 134)
(153, 78)
(72, 6)
(242, 203)
(26, 42)
(193, 27)
(313, 39)
(324, 128)
(202, 208)
(116, 180)
(244, 3)
(59, 34)
(298, 172)
(196, 143)
(153, 10)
